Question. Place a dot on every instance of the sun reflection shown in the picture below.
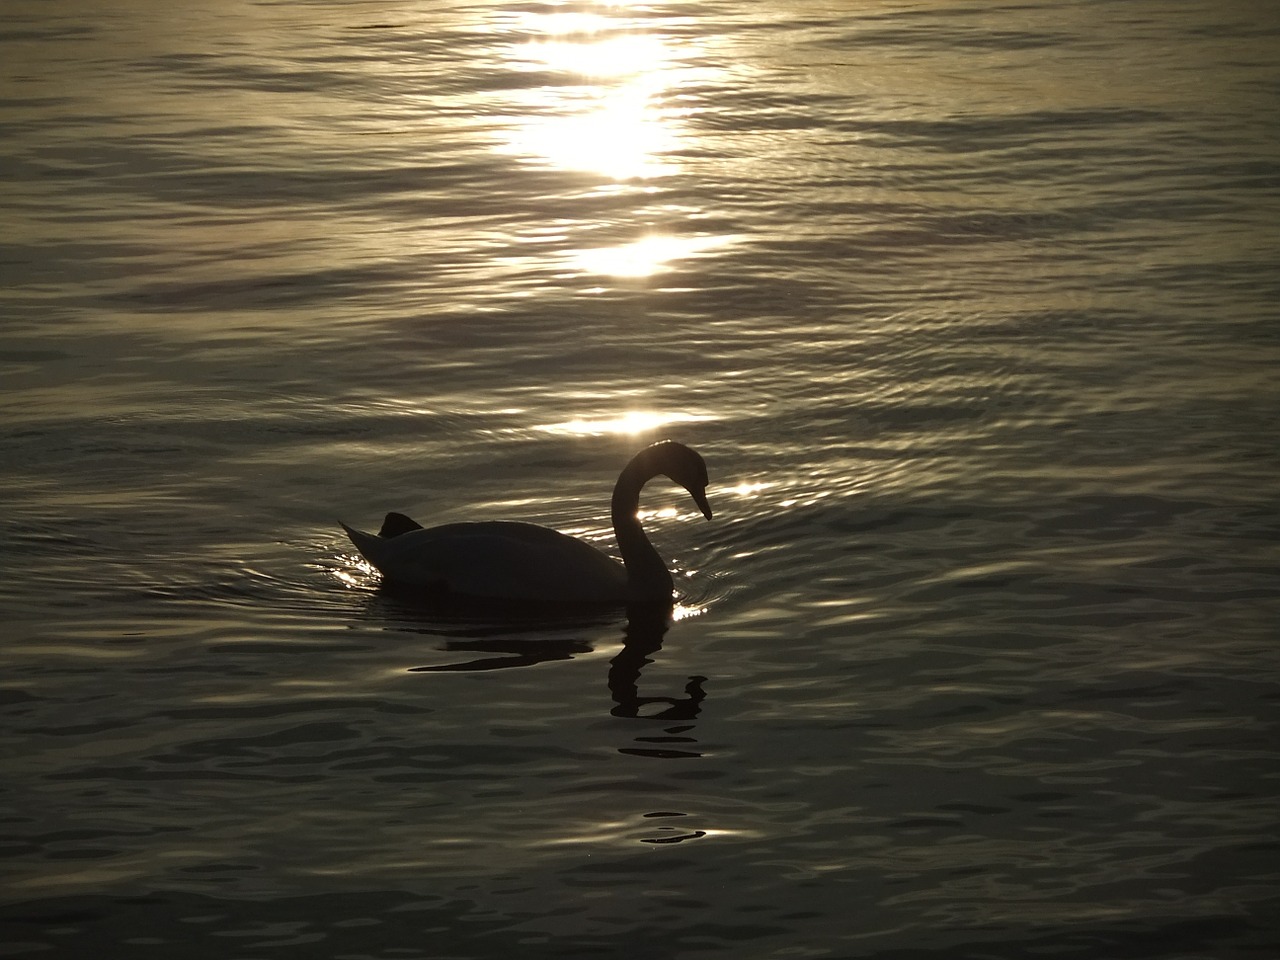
(681, 612)
(642, 258)
(603, 90)
(354, 572)
(617, 56)
(622, 139)
(347, 579)
(631, 423)
(604, 115)
(747, 491)
(661, 513)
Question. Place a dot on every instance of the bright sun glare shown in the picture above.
(607, 120)
(641, 258)
(602, 116)
(602, 99)
(628, 424)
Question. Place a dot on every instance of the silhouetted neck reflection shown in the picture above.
(645, 629)
(521, 636)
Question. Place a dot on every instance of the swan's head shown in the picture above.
(681, 465)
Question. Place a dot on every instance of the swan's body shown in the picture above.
(511, 560)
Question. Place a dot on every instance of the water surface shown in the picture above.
(971, 309)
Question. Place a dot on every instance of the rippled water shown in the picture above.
(972, 310)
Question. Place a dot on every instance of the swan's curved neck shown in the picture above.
(647, 576)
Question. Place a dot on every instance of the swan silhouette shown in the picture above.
(517, 561)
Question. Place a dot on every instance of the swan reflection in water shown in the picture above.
(518, 644)
(511, 570)
(642, 638)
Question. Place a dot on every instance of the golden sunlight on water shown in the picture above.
(629, 424)
(610, 109)
(643, 257)
(984, 413)
(609, 121)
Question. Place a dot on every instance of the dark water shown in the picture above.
(972, 310)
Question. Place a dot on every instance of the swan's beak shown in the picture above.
(700, 498)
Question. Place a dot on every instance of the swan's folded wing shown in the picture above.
(502, 559)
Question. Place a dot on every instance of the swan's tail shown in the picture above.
(404, 559)
(366, 543)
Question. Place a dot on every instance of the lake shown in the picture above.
(973, 311)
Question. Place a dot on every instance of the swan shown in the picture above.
(517, 561)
